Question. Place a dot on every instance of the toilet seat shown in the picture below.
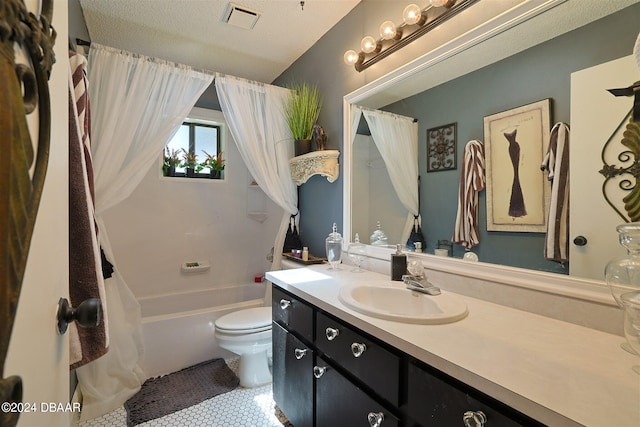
(250, 320)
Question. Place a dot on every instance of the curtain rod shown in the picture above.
(81, 42)
(386, 112)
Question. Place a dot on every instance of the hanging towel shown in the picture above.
(472, 181)
(85, 266)
(556, 162)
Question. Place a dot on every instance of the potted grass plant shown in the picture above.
(301, 111)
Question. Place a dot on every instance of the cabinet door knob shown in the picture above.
(358, 348)
(299, 353)
(319, 371)
(332, 333)
(474, 419)
(580, 241)
(375, 419)
(285, 303)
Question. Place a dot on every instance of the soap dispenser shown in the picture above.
(398, 264)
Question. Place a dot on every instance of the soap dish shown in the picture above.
(195, 266)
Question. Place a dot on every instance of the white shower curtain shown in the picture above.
(396, 138)
(137, 104)
(254, 113)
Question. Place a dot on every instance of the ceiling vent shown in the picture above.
(241, 16)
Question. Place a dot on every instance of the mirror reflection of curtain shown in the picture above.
(137, 104)
(396, 138)
(254, 113)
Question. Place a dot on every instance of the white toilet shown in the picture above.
(247, 333)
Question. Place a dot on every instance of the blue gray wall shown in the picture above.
(538, 73)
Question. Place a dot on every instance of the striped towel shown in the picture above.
(472, 181)
(85, 266)
(556, 162)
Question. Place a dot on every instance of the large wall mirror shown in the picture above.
(465, 80)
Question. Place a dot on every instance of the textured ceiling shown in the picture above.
(192, 32)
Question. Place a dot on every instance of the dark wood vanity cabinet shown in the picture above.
(328, 373)
(312, 388)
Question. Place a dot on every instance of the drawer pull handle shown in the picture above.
(375, 419)
(319, 371)
(332, 333)
(299, 353)
(358, 348)
(474, 419)
(285, 303)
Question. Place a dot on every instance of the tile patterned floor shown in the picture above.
(243, 407)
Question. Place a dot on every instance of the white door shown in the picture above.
(595, 115)
(36, 352)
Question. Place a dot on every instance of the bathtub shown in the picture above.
(178, 329)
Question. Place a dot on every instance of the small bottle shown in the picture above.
(305, 253)
(398, 264)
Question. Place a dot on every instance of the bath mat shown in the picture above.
(164, 395)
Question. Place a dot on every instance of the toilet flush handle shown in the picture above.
(285, 303)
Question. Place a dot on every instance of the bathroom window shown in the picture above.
(200, 138)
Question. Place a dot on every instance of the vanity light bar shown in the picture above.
(373, 50)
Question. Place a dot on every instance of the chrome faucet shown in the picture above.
(420, 284)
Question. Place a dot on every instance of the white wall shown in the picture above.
(168, 221)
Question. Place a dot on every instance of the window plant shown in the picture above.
(190, 161)
(171, 160)
(301, 110)
(214, 162)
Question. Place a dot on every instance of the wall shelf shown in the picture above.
(322, 162)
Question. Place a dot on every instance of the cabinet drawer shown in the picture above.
(340, 403)
(292, 313)
(363, 357)
(434, 399)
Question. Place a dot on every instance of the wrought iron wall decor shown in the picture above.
(629, 173)
(442, 148)
(23, 90)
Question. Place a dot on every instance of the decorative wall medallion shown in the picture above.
(441, 148)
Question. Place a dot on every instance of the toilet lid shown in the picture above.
(247, 319)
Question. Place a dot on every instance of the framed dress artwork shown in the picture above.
(517, 191)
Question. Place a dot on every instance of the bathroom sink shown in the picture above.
(403, 305)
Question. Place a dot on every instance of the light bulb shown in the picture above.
(368, 44)
(351, 57)
(412, 14)
(387, 30)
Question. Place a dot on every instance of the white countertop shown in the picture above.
(556, 372)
